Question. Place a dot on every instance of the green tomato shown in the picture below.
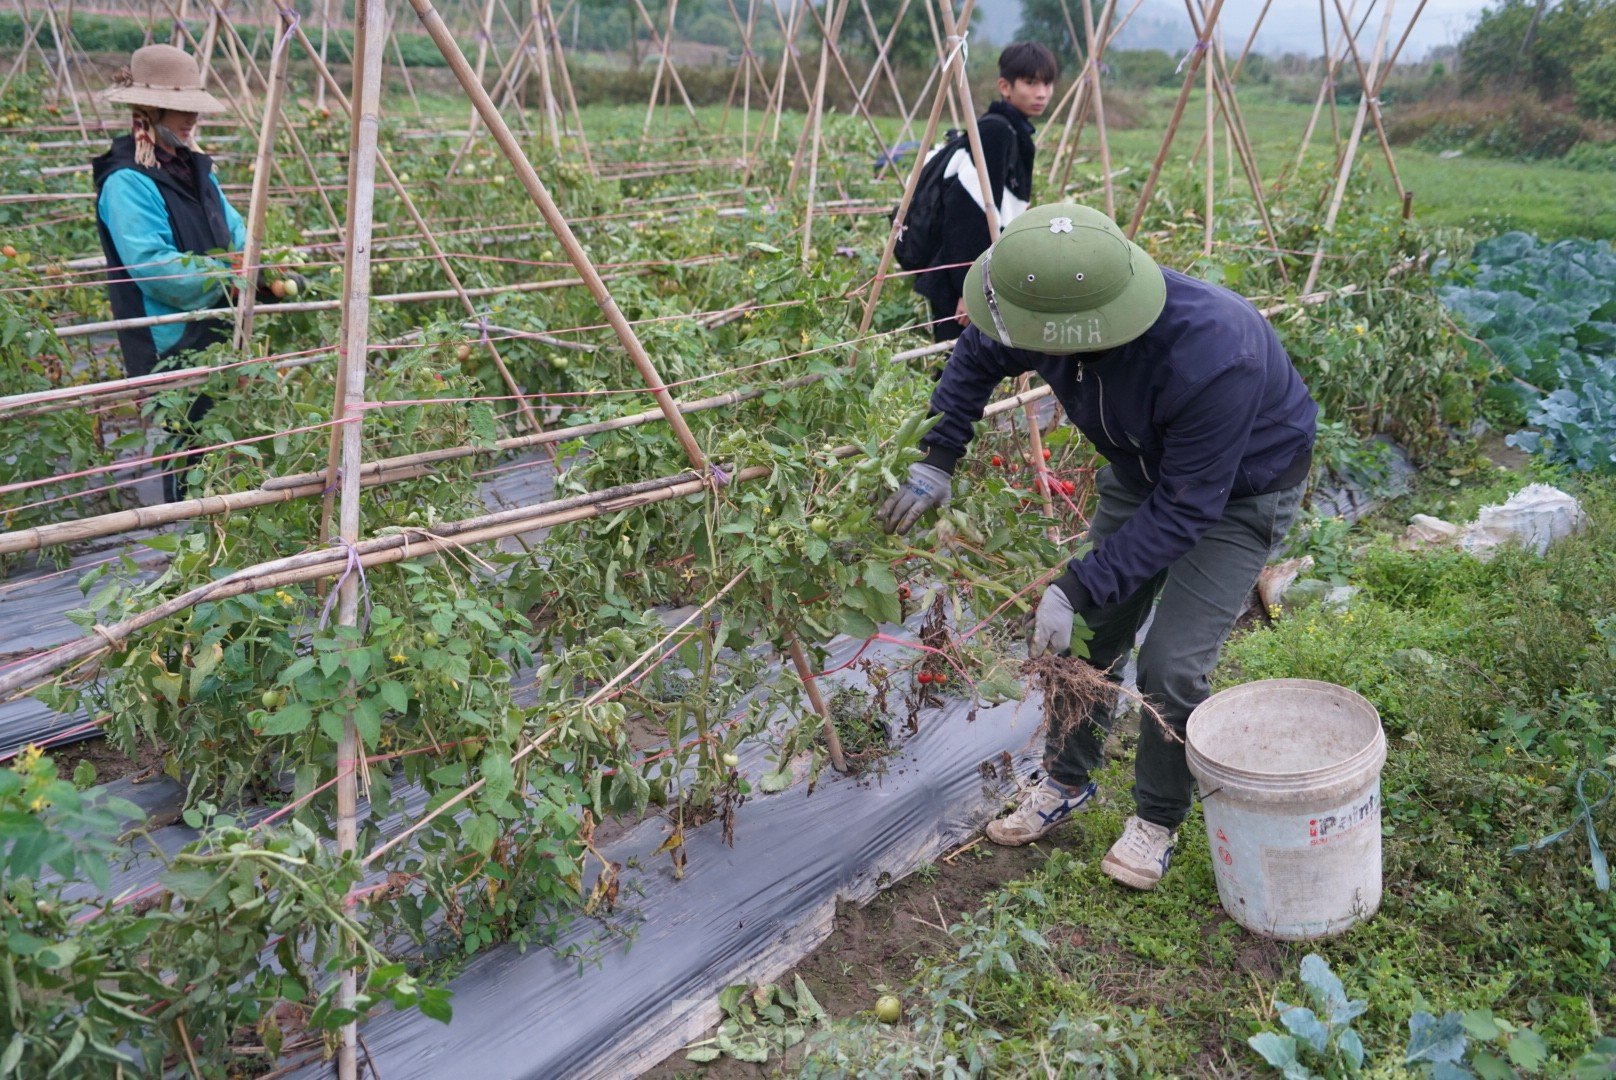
(430, 638)
(731, 760)
(820, 525)
(888, 1009)
(272, 699)
(774, 530)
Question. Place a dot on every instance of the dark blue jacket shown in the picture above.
(1205, 406)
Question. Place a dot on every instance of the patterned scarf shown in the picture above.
(147, 139)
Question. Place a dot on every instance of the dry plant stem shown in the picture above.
(1077, 688)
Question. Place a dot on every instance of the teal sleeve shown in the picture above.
(133, 210)
(238, 227)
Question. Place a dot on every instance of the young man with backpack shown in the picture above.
(947, 225)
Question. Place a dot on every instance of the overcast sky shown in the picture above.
(1290, 26)
(1293, 26)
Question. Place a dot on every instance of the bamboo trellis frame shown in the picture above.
(540, 49)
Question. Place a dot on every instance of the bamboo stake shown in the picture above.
(665, 66)
(81, 329)
(404, 69)
(371, 28)
(1034, 436)
(1099, 108)
(972, 133)
(431, 240)
(65, 72)
(552, 215)
(1196, 55)
(483, 36)
(945, 62)
(805, 674)
(942, 50)
(560, 61)
(258, 205)
(1240, 61)
(1331, 58)
(814, 125)
(291, 130)
(1235, 125)
(1211, 172)
(1372, 99)
(883, 64)
(1077, 116)
(541, 57)
(1344, 170)
(325, 33)
(19, 65)
(831, 36)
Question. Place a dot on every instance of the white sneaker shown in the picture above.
(1141, 856)
(1042, 808)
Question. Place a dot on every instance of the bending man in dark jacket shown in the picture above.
(1207, 429)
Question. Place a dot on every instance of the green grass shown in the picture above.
(1485, 194)
(1497, 686)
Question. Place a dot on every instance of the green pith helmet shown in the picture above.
(1064, 279)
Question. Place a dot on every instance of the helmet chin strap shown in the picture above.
(999, 329)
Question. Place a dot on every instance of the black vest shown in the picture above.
(196, 219)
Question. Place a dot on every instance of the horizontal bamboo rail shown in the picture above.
(396, 546)
(299, 306)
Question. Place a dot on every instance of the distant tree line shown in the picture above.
(1557, 50)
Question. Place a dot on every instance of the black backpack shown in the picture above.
(920, 234)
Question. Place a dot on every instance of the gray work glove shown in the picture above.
(926, 489)
(1052, 626)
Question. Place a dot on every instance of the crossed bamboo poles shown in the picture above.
(366, 162)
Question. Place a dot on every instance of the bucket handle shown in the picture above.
(1205, 795)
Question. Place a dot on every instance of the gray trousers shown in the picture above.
(1201, 596)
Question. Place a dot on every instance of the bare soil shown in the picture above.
(110, 763)
(875, 948)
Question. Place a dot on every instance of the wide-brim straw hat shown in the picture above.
(1064, 279)
(164, 77)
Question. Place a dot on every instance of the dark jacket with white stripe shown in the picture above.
(1203, 407)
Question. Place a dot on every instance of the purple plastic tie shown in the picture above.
(354, 566)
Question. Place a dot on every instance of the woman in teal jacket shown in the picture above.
(160, 212)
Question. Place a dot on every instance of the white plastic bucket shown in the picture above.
(1289, 772)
